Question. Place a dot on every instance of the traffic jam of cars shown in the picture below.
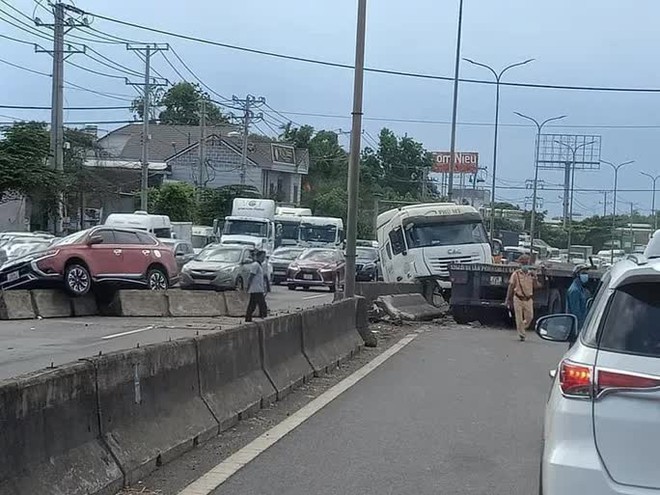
(140, 250)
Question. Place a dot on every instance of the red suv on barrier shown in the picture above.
(98, 255)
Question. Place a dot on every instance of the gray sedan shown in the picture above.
(221, 268)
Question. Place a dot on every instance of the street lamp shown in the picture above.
(539, 128)
(573, 151)
(654, 179)
(498, 77)
(616, 185)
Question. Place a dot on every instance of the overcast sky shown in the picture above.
(586, 42)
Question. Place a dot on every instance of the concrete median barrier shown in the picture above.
(283, 358)
(151, 408)
(236, 302)
(16, 305)
(373, 290)
(232, 380)
(134, 302)
(196, 303)
(84, 306)
(49, 436)
(330, 335)
(411, 307)
(51, 303)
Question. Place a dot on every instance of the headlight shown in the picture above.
(227, 269)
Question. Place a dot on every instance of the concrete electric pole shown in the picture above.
(246, 105)
(201, 172)
(454, 112)
(147, 86)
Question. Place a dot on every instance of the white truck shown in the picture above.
(157, 225)
(182, 231)
(251, 223)
(287, 224)
(321, 232)
(419, 242)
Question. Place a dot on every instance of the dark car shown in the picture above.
(281, 259)
(367, 264)
(121, 257)
(317, 268)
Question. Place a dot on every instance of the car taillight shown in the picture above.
(608, 380)
(575, 379)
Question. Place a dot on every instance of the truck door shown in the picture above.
(386, 262)
(399, 253)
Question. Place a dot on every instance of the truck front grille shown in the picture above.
(440, 265)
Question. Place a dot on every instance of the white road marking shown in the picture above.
(130, 332)
(227, 468)
(315, 297)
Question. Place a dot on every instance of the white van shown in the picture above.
(321, 232)
(158, 225)
(419, 242)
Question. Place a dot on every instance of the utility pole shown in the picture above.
(454, 112)
(604, 204)
(147, 85)
(59, 54)
(653, 212)
(202, 148)
(354, 157)
(616, 184)
(246, 105)
(632, 233)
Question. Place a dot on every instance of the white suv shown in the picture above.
(602, 420)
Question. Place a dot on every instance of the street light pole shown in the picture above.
(498, 78)
(655, 217)
(454, 113)
(616, 185)
(354, 157)
(539, 128)
(573, 151)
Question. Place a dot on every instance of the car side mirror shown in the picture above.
(95, 239)
(557, 328)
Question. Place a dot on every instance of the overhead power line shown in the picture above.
(339, 65)
(44, 107)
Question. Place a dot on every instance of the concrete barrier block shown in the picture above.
(84, 306)
(51, 303)
(16, 305)
(202, 303)
(283, 358)
(330, 335)
(232, 379)
(236, 302)
(409, 307)
(49, 435)
(151, 408)
(136, 302)
(373, 290)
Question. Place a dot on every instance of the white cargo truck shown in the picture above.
(321, 232)
(182, 231)
(251, 223)
(419, 242)
(289, 211)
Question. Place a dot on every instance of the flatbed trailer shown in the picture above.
(478, 290)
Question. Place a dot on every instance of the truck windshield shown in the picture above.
(318, 233)
(246, 227)
(290, 230)
(445, 234)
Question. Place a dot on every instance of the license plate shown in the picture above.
(308, 276)
(12, 276)
(495, 280)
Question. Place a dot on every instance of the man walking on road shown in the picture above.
(520, 295)
(256, 287)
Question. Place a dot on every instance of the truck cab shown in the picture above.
(287, 225)
(321, 232)
(419, 242)
(251, 223)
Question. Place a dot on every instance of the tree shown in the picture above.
(217, 203)
(174, 199)
(181, 105)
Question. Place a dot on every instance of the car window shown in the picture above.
(631, 322)
(146, 239)
(124, 237)
(396, 238)
(108, 236)
(594, 316)
(388, 250)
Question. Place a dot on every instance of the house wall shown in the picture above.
(223, 167)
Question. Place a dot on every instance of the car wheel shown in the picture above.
(77, 279)
(240, 285)
(157, 279)
(291, 287)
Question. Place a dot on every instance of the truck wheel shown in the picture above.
(462, 315)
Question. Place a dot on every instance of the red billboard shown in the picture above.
(465, 163)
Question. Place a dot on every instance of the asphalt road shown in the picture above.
(30, 345)
(457, 411)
